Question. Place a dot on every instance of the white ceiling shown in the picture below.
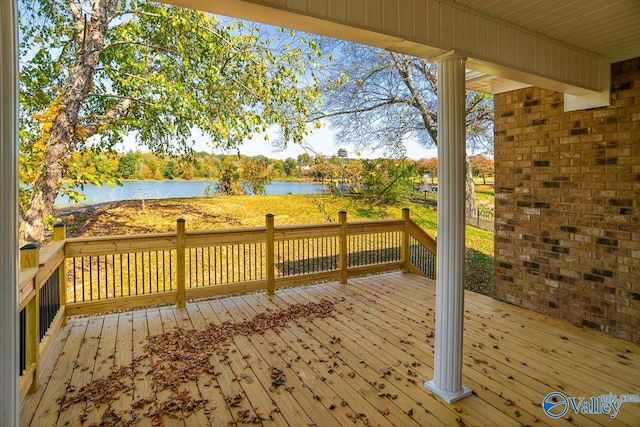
(562, 45)
(609, 28)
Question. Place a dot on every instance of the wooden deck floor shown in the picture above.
(364, 364)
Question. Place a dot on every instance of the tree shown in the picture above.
(241, 175)
(305, 159)
(388, 181)
(94, 71)
(290, 167)
(256, 175)
(377, 98)
(428, 166)
(482, 166)
(128, 165)
(230, 178)
(170, 170)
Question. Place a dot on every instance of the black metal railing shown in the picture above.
(422, 258)
(23, 340)
(117, 275)
(224, 264)
(295, 257)
(374, 248)
(49, 301)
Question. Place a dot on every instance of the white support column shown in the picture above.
(9, 400)
(447, 382)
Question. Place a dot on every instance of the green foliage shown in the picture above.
(255, 176)
(128, 165)
(156, 72)
(305, 159)
(169, 170)
(239, 175)
(290, 167)
(388, 181)
(230, 178)
(89, 166)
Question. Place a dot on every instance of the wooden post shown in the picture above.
(405, 241)
(271, 279)
(30, 257)
(343, 260)
(181, 266)
(60, 234)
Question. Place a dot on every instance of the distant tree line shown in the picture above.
(382, 180)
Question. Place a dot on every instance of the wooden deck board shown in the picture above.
(216, 408)
(283, 350)
(330, 374)
(83, 367)
(405, 357)
(380, 332)
(498, 392)
(51, 374)
(375, 378)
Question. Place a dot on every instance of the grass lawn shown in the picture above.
(206, 213)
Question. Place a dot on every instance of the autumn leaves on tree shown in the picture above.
(96, 71)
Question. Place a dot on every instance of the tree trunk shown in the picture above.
(470, 193)
(63, 139)
(44, 192)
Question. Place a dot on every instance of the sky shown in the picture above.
(320, 141)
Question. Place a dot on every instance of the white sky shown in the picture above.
(321, 141)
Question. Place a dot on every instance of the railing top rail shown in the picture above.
(93, 239)
(423, 237)
(227, 236)
(225, 231)
(364, 227)
(330, 225)
(105, 245)
(51, 250)
(285, 232)
(26, 284)
(376, 222)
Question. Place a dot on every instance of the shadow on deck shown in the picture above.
(324, 354)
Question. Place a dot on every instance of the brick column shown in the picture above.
(8, 214)
(447, 382)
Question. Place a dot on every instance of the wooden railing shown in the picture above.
(41, 304)
(73, 276)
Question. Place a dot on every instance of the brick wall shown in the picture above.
(567, 239)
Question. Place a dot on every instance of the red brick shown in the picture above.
(572, 208)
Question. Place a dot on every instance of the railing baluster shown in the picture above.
(271, 284)
(135, 271)
(181, 245)
(75, 281)
(121, 271)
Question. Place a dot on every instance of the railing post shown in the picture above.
(181, 264)
(343, 257)
(271, 279)
(30, 257)
(405, 240)
(60, 234)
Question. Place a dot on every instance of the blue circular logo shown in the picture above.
(555, 404)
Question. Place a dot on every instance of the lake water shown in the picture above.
(137, 190)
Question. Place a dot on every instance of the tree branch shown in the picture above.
(404, 68)
(78, 21)
(119, 109)
(357, 110)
